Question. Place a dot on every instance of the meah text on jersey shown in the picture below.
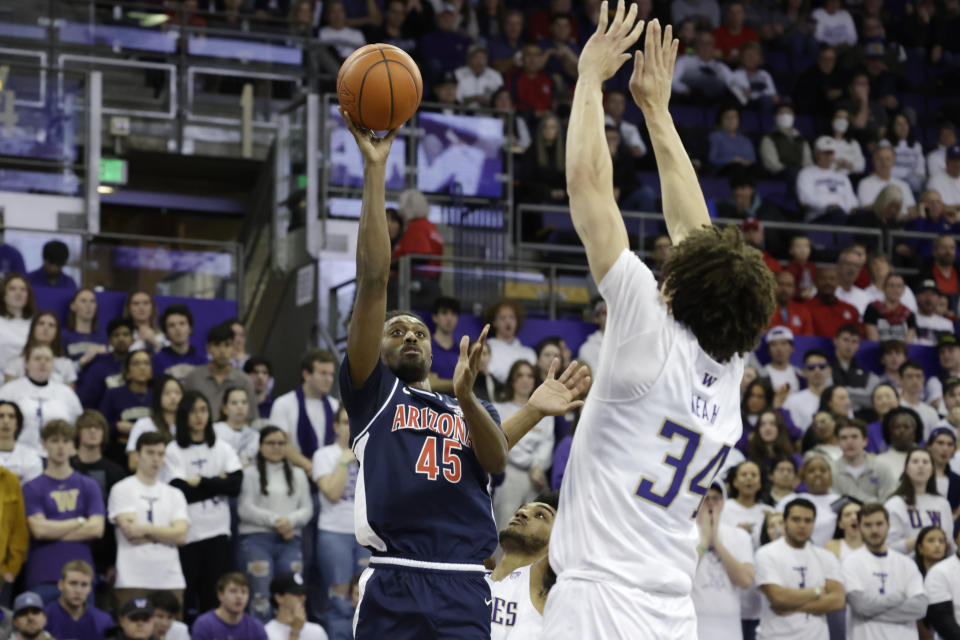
(704, 410)
(445, 424)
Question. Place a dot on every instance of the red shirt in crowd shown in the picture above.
(772, 263)
(947, 284)
(828, 318)
(530, 93)
(420, 236)
(794, 317)
(804, 275)
(730, 44)
(540, 25)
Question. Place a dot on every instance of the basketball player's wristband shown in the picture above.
(343, 464)
(701, 548)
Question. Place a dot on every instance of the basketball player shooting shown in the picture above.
(422, 504)
(664, 411)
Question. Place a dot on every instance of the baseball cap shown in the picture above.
(27, 600)
(939, 431)
(135, 606)
(750, 224)
(928, 284)
(448, 77)
(779, 333)
(947, 340)
(824, 143)
(287, 583)
(953, 152)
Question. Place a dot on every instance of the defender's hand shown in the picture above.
(652, 76)
(604, 52)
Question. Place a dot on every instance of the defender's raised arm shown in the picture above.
(684, 208)
(373, 256)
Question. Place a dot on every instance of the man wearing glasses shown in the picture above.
(803, 404)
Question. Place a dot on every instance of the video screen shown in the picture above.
(346, 162)
(461, 154)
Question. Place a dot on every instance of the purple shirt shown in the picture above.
(74, 496)
(122, 403)
(11, 261)
(92, 625)
(76, 344)
(169, 362)
(92, 383)
(210, 627)
(39, 279)
(445, 360)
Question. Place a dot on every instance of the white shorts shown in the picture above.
(578, 609)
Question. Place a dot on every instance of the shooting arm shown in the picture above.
(489, 443)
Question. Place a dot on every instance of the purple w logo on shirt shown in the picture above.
(708, 380)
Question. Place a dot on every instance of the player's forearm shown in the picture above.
(684, 209)
(589, 165)
(373, 238)
(488, 442)
(520, 423)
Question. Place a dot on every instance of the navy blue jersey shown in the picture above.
(421, 492)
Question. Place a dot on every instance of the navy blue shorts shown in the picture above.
(402, 603)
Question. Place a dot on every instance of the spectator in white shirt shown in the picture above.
(17, 307)
(909, 165)
(871, 186)
(834, 25)
(589, 352)
(289, 594)
(915, 504)
(847, 154)
(699, 75)
(614, 104)
(942, 586)
(878, 266)
(849, 265)
(911, 395)
(506, 319)
(476, 81)
(802, 405)
(780, 371)
(884, 587)
(724, 570)
(947, 183)
(930, 324)
(825, 193)
(528, 460)
(937, 159)
(343, 39)
(21, 460)
(750, 83)
(801, 582)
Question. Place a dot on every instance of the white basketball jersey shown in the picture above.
(659, 422)
(512, 614)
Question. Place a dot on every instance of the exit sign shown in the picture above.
(113, 171)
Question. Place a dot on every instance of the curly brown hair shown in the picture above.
(719, 287)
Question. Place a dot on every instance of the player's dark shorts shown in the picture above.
(407, 603)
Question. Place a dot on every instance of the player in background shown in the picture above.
(522, 579)
(422, 500)
(664, 411)
(884, 587)
(801, 582)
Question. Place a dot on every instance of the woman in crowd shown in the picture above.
(240, 355)
(902, 430)
(910, 164)
(915, 504)
(836, 400)
(848, 154)
(846, 537)
(942, 446)
(822, 438)
(45, 329)
(758, 397)
(122, 406)
(233, 428)
(40, 398)
(167, 393)
(274, 506)
(208, 472)
(543, 173)
(529, 459)
(931, 548)
(772, 527)
(783, 478)
(817, 475)
(81, 341)
(19, 459)
(770, 441)
(17, 307)
(142, 309)
(889, 318)
(518, 139)
(506, 318)
(884, 398)
(335, 470)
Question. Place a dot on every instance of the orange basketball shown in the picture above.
(380, 86)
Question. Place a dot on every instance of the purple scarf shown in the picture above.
(306, 434)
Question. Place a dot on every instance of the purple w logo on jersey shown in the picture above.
(708, 380)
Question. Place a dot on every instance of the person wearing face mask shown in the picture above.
(784, 151)
(847, 153)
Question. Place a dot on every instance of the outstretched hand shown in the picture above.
(652, 77)
(605, 51)
(468, 365)
(374, 148)
(557, 396)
